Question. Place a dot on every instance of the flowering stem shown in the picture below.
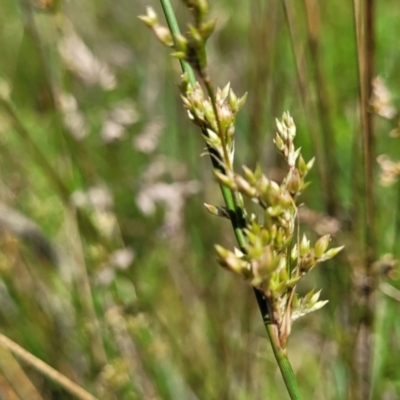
(235, 211)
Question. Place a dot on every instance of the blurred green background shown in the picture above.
(107, 267)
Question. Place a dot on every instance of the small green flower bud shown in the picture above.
(294, 182)
(245, 187)
(209, 114)
(197, 96)
(186, 102)
(273, 231)
(181, 43)
(279, 143)
(265, 237)
(292, 156)
(263, 185)
(275, 210)
(293, 281)
(281, 130)
(310, 164)
(314, 298)
(331, 253)
(268, 262)
(290, 126)
(308, 296)
(285, 200)
(307, 262)
(233, 101)
(294, 253)
(225, 117)
(195, 35)
(258, 171)
(241, 101)
(304, 246)
(212, 139)
(283, 275)
(302, 166)
(249, 175)
(202, 6)
(228, 260)
(163, 34)
(225, 180)
(255, 227)
(223, 94)
(150, 19)
(273, 193)
(251, 236)
(207, 28)
(304, 186)
(217, 211)
(222, 252)
(321, 245)
(230, 131)
(180, 55)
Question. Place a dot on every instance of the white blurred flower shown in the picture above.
(381, 99)
(122, 258)
(124, 113)
(73, 118)
(99, 201)
(79, 199)
(105, 276)
(112, 131)
(147, 141)
(162, 165)
(390, 170)
(79, 59)
(172, 196)
(96, 197)
(121, 116)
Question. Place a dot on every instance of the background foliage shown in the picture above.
(107, 269)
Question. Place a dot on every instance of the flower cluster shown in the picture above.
(218, 128)
(272, 258)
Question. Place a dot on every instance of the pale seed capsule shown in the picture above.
(304, 246)
(294, 182)
(244, 186)
(321, 245)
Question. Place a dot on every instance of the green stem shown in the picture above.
(284, 365)
(237, 220)
(235, 212)
(279, 352)
(174, 28)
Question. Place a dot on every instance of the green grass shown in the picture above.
(173, 325)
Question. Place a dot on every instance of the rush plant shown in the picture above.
(272, 255)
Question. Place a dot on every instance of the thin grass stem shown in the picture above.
(237, 221)
(323, 106)
(364, 15)
(302, 79)
(70, 386)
